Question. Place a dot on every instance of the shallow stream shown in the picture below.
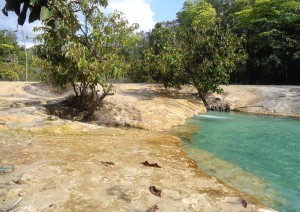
(258, 155)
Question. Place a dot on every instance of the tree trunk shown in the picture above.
(74, 88)
(202, 97)
(102, 97)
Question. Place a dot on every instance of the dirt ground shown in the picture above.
(62, 165)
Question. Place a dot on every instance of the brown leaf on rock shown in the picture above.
(108, 163)
(152, 209)
(146, 163)
(244, 203)
(155, 191)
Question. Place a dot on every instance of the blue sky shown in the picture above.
(144, 12)
(165, 10)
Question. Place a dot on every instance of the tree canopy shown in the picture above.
(11, 57)
(278, 23)
(85, 54)
(197, 50)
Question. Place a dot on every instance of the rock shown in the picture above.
(197, 201)
(6, 168)
(28, 208)
(52, 118)
(217, 104)
(2, 122)
(265, 210)
(26, 177)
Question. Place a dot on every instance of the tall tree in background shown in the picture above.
(273, 40)
(198, 14)
(164, 56)
(12, 58)
(135, 58)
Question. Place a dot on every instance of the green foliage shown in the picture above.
(11, 71)
(40, 9)
(198, 14)
(278, 23)
(135, 57)
(13, 59)
(8, 45)
(84, 54)
(196, 50)
(209, 56)
(163, 57)
(45, 13)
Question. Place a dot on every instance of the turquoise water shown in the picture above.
(259, 155)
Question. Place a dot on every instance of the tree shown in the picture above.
(163, 57)
(197, 50)
(278, 23)
(209, 57)
(11, 57)
(135, 55)
(84, 54)
(198, 14)
(8, 44)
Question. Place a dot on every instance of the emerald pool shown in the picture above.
(259, 155)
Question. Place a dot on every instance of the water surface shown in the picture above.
(259, 155)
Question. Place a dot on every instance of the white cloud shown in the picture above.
(135, 11)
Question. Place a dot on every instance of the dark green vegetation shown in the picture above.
(13, 59)
(212, 42)
(270, 30)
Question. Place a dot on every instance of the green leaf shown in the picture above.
(34, 1)
(45, 13)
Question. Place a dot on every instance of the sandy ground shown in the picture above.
(61, 165)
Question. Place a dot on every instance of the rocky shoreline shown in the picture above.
(259, 99)
(84, 167)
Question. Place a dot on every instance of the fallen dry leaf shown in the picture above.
(152, 209)
(146, 163)
(107, 163)
(155, 191)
